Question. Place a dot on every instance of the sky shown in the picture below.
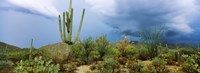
(23, 20)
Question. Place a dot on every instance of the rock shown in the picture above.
(58, 52)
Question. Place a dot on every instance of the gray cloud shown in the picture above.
(132, 16)
(41, 8)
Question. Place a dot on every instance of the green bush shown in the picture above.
(108, 65)
(77, 52)
(191, 65)
(152, 40)
(102, 44)
(143, 53)
(172, 57)
(123, 45)
(186, 51)
(94, 55)
(70, 67)
(89, 46)
(159, 65)
(132, 52)
(6, 63)
(36, 66)
(112, 52)
(135, 66)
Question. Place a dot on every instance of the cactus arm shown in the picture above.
(67, 21)
(80, 26)
(64, 28)
(70, 5)
(31, 50)
(70, 25)
(60, 26)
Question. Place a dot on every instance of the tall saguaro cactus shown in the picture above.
(67, 21)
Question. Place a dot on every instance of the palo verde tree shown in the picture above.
(153, 39)
(67, 21)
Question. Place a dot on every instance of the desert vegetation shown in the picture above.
(100, 56)
(149, 55)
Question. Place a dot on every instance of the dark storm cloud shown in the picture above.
(177, 16)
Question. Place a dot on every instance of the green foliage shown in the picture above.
(173, 57)
(36, 66)
(94, 55)
(158, 62)
(186, 51)
(18, 54)
(101, 45)
(143, 53)
(89, 46)
(14, 54)
(159, 65)
(135, 66)
(108, 65)
(123, 45)
(6, 63)
(77, 52)
(132, 52)
(70, 67)
(112, 52)
(68, 22)
(152, 41)
(191, 65)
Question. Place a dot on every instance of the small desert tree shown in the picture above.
(152, 39)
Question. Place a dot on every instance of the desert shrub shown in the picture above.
(36, 66)
(70, 67)
(132, 52)
(123, 45)
(169, 55)
(186, 51)
(135, 66)
(6, 63)
(148, 69)
(3, 56)
(172, 57)
(159, 65)
(94, 55)
(108, 65)
(191, 65)
(196, 48)
(18, 55)
(158, 62)
(152, 40)
(143, 53)
(112, 52)
(77, 52)
(102, 44)
(89, 46)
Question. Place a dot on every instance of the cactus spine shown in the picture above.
(68, 22)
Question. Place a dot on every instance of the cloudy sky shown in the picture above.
(22, 20)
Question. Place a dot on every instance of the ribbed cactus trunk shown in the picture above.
(68, 22)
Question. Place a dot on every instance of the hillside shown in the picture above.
(7, 46)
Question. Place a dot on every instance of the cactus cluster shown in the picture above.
(67, 21)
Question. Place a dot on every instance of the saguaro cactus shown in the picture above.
(68, 22)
